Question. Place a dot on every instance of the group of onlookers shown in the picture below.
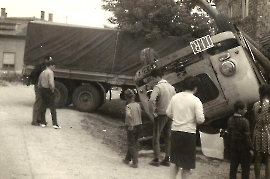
(177, 115)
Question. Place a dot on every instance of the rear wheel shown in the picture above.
(61, 94)
(86, 98)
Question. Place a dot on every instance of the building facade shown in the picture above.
(251, 16)
(12, 41)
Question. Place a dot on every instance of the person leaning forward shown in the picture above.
(159, 101)
(34, 76)
(46, 84)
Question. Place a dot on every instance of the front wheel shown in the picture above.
(86, 98)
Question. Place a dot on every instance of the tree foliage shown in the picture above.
(156, 18)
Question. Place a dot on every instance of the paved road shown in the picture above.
(32, 152)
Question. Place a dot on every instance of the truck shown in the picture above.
(89, 61)
(228, 66)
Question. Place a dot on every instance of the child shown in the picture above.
(133, 123)
(240, 141)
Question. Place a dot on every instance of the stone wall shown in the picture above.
(263, 24)
(249, 24)
(222, 6)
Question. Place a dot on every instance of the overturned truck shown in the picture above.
(89, 61)
(229, 68)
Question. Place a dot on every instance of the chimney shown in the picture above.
(50, 17)
(3, 13)
(42, 17)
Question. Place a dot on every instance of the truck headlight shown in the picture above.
(227, 68)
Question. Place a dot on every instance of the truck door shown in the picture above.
(209, 89)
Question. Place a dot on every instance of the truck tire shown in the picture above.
(61, 94)
(86, 98)
(148, 56)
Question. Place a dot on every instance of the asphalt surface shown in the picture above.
(73, 152)
(32, 152)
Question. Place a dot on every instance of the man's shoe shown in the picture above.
(125, 161)
(43, 125)
(165, 163)
(154, 163)
(39, 122)
(133, 165)
(56, 127)
(34, 124)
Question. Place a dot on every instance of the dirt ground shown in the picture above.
(89, 145)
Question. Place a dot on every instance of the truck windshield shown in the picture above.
(207, 90)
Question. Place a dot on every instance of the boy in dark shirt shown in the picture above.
(240, 141)
(133, 123)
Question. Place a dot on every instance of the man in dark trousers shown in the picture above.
(159, 101)
(34, 80)
(47, 86)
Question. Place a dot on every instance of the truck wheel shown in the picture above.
(86, 98)
(148, 55)
(61, 94)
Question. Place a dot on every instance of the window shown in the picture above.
(207, 90)
(245, 8)
(9, 61)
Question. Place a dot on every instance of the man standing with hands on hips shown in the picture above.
(159, 101)
(47, 86)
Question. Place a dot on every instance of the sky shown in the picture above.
(80, 12)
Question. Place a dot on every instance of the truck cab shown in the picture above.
(227, 71)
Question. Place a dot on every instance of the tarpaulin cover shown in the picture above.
(91, 49)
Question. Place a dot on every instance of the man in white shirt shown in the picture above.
(186, 110)
(159, 101)
(46, 84)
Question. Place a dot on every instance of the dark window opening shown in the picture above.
(207, 90)
(8, 67)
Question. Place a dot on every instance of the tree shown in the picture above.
(156, 18)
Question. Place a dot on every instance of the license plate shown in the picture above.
(201, 44)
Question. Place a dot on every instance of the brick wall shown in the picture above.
(248, 24)
(222, 6)
(263, 24)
